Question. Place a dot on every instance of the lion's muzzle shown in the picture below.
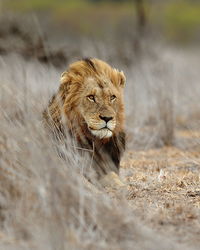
(102, 128)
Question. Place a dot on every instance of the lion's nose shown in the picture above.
(106, 118)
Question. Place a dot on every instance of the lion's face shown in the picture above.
(99, 106)
(92, 94)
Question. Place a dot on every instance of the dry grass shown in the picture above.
(164, 190)
(45, 202)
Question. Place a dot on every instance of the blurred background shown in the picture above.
(128, 25)
(177, 22)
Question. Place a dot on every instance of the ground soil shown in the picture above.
(164, 187)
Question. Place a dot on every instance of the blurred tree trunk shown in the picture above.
(141, 16)
(141, 24)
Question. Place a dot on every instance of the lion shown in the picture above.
(89, 105)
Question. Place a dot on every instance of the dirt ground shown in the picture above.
(163, 187)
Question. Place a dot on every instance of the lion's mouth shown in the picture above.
(101, 133)
(100, 128)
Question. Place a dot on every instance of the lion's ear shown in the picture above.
(64, 85)
(122, 79)
(65, 81)
(64, 77)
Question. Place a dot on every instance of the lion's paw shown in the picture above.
(112, 180)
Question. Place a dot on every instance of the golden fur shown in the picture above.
(89, 104)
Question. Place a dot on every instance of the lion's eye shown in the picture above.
(113, 97)
(91, 98)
